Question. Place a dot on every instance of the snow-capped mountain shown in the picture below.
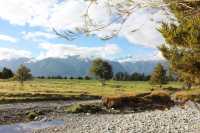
(76, 66)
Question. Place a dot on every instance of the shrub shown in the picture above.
(80, 78)
(31, 115)
(71, 78)
(158, 77)
(87, 78)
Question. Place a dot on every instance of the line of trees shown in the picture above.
(64, 77)
(22, 74)
(124, 76)
(100, 69)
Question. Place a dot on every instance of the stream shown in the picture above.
(30, 126)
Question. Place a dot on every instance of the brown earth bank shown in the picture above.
(154, 100)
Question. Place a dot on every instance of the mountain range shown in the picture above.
(76, 66)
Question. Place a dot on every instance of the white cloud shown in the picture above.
(153, 56)
(7, 38)
(68, 14)
(38, 36)
(64, 50)
(141, 27)
(7, 53)
(21, 12)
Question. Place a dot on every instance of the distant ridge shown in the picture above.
(76, 66)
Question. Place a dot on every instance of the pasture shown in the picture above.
(59, 89)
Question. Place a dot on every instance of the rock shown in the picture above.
(88, 114)
(55, 129)
(174, 120)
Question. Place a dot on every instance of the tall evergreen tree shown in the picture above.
(182, 48)
(159, 75)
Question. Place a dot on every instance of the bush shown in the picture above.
(71, 78)
(87, 78)
(80, 78)
(31, 115)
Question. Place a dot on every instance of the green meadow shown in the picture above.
(59, 89)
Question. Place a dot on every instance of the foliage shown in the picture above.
(32, 115)
(87, 78)
(71, 78)
(23, 74)
(159, 75)
(182, 48)
(120, 76)
(80, 78)
(6, 73)
(102, 70)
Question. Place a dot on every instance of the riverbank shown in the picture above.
(175, 120)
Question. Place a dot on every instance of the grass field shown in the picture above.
(50, 89)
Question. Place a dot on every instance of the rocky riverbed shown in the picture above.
(175, 120)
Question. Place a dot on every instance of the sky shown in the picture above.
(26, 31)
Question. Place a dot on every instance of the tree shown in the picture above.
(102, 70)
(23, 74)
(71, 78)
(119, 76)
(87, 78)
(159, 75)
(182, 48)
(6, 73)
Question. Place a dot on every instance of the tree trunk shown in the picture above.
(22, 83)
(103, 83)
(187, 86)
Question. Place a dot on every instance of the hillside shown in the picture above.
(75, 66)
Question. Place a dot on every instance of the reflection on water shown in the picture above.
(28, 127)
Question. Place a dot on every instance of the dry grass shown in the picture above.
(183, 96)
(51, 89)
(138, 100)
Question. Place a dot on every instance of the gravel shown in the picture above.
(174, 120)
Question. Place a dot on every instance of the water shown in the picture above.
(28, 127)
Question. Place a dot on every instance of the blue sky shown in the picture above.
(25, 31)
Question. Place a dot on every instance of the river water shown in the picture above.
(28, 127)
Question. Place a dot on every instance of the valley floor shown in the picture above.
(61, 89)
